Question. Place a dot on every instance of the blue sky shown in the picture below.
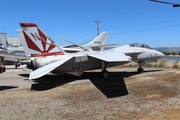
(127, 21)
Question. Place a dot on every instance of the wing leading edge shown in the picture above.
(110, 56)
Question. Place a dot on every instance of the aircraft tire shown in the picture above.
(140, 70)
(105, 74)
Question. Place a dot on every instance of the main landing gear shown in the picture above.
(140, 69)
(104, 73)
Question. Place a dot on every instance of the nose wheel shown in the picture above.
(105, 74)
(140, 70)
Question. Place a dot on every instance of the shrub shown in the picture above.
(162, 62)
(149, 64)
(175, 65)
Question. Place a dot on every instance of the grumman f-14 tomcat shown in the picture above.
(48, 57)
(139, 52)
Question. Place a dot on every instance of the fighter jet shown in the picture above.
(49, 57)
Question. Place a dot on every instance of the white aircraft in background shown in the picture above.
(13, 54)
(140, 53)
(48, 57)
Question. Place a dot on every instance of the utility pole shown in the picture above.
(97, 23)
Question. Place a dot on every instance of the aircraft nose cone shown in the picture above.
(161, 54)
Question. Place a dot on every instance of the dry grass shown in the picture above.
(161, 63)
(152, 95)
(168, 77)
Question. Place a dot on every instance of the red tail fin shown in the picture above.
(37, 42)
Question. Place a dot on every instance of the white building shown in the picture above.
(13, 42)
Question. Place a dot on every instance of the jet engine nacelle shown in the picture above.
(36, 63)
(42, 61)
(30, 65)
(33, 64)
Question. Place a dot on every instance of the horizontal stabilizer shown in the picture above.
(103, 45)
(48, 68)
(72, 43)
(110, 56)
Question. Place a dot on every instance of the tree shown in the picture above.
(174, 53)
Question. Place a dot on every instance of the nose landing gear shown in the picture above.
(140, 69)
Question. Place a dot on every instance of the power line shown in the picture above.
(146, 29)
(147, 24)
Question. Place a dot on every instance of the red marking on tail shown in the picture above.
(30, 43)
(40, 36)
(28, 25)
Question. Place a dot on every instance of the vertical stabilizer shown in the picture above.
(23, 42)
(37, 42)
(97, 42)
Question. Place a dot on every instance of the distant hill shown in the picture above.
(168, 49)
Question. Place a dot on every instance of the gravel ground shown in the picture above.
(153, 95)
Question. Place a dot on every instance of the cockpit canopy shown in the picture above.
(139, 45)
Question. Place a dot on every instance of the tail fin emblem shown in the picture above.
(36, 37)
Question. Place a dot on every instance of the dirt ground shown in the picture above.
(153, 95)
